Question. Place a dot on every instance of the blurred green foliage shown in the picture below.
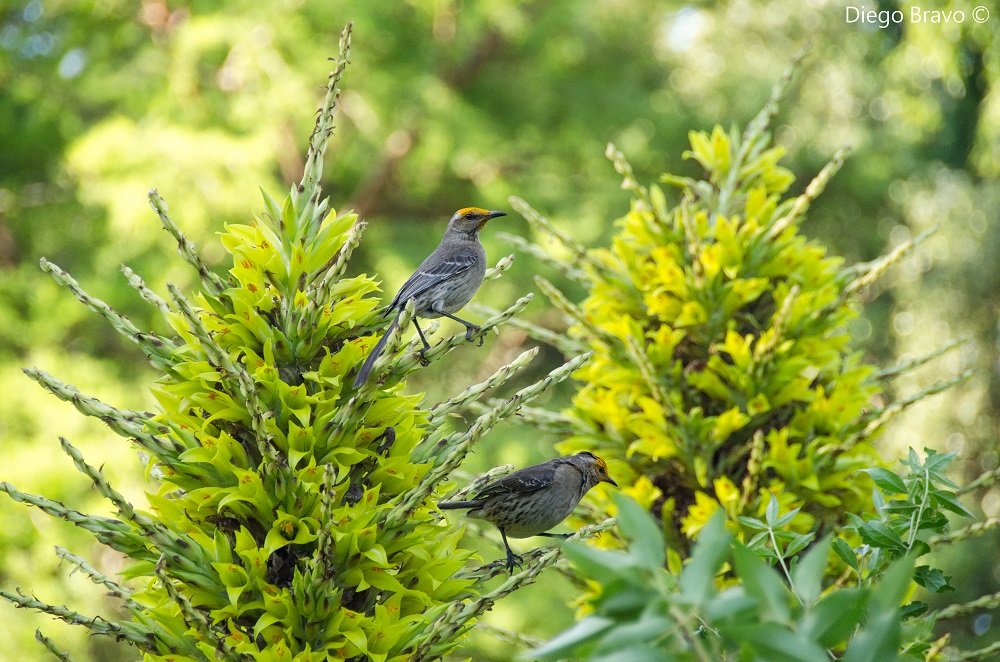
(450, 104)
(646, 612)
(769, 600)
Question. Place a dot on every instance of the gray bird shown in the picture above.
(443, 283)
(535, 499)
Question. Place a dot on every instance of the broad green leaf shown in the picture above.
(624, 604)
(786, 518)
(807, 576)
(763, 583)
(799, 542)
(751, 522)
(729, 603)
(771, 512)
(698, 576)
(646, 543)
(903, 507)
(889, 482)
(932, 579)
(937, 462)
(833, 618)
(914, 609)
(775, 643)
(893, 586)
(878, 502)
(594, 562)
(949, 501)
(845, 552)
(878, 534)
(878, 641)
(564, 643)
(758, 540)
(649, 628)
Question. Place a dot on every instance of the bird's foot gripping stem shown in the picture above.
(513, 560)
(469, 330)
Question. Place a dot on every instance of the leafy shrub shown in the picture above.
(767, 599)
(645, 612)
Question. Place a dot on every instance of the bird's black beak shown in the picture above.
(485, 219)
(611, 480)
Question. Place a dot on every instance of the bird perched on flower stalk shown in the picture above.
(533, 500)
(443, 283)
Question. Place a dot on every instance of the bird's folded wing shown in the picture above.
(430, 273)
(521, 482)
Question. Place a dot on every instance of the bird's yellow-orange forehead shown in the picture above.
(478, 211)
(601, 464)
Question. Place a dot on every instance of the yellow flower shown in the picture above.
(698, 514)
(644, 492)
(728, 495)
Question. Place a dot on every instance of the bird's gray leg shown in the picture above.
(470, 328)
(423, 359)
(512, 558)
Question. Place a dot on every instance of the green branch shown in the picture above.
(115, 589)
(308, 189)
(194, 618)
(127, 423)
(147, 294)
(409, 362)
(474, 392)
(907, 366)
(560, 341)
(209, 280)
(158, 349)
(96, 624)
(52, 647)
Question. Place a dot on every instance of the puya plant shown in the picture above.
(289, 515)
(724, 389)
(722, 371)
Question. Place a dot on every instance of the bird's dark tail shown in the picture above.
(455, 505)
(366, 368)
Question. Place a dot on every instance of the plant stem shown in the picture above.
(915, 518)
(784, 568)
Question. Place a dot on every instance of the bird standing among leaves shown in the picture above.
(443, 283)
(535, 499)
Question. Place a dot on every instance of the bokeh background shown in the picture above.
(449, 104)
